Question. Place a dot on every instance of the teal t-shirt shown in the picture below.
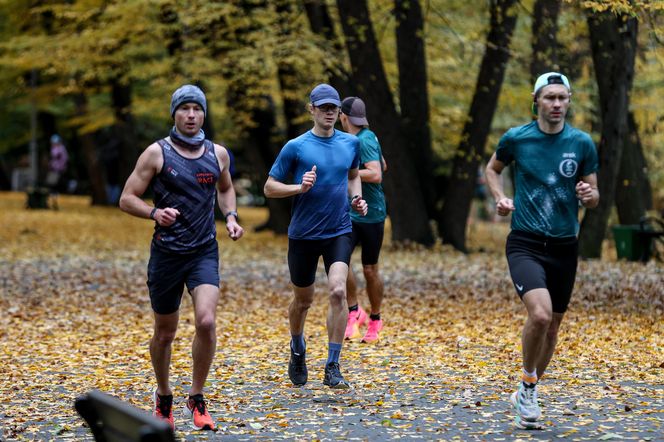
(371, 192)
(547, 168)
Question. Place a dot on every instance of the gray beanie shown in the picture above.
(188, 94)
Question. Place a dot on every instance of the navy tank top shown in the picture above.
(188, 185)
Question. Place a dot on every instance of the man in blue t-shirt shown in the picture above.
(323, 166)
(555, 171)
(367, 230)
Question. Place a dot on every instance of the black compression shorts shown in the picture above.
(303, 256)
(538, 262)
(370, 237)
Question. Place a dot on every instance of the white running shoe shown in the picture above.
(524, 401)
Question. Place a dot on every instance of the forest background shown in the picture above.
(442, 79)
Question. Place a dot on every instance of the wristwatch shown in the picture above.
(232, 212)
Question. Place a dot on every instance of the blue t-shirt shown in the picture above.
(372, 193)
(547, 169)
(322, 212)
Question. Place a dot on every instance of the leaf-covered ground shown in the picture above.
(76, 316)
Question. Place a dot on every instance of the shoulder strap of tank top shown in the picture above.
(210, 145)
(163, 144)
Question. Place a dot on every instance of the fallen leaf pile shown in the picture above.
(76, 316)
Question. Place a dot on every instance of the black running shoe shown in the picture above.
(333, 377)
(297, 368)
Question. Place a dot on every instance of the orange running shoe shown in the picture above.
(196, 410)
(375, 326)
(356, 320)
(163, 408)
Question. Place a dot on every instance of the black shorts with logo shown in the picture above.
(370, 237)
(303, 256)
(540, 262)
(168, 272)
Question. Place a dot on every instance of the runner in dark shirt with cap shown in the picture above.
(555, 171)
(367, 230)
(187, 172)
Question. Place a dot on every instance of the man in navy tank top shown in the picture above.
(322, 165)
(187, 172)
(555, 169)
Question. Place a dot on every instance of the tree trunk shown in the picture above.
(262, 152)
(47, 122)
(321, 23)
(459, 194)
(5, 179)
(172, 38)
(633, 191)
(613, 42)
(405, 199)
(297, 122)
(252, 110)
(545, 42)
(93, 166)
(124, 127)
(414, 95)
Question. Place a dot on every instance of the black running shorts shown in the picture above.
(303, 256)
(370, 237)
(539, 262)
(168, 273)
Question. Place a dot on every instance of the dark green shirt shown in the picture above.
(371, 192)
(547, 169)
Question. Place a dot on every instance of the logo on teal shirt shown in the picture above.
(568, 168)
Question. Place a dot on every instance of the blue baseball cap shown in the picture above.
(324, 94)
(551, 78)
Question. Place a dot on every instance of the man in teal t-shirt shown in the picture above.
(555, 169)
(367, 230)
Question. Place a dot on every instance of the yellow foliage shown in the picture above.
(76, 316)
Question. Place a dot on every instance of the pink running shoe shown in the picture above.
(372, 331)
(355, 321)
(163, 408)
(196, 410)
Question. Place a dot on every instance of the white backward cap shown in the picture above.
(551, 78)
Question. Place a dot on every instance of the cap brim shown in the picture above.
(327, 101)
(358, 121)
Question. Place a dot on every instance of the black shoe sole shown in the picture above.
(339, 386)
(297, 384)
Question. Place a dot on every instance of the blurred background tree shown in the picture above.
(442, 80)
